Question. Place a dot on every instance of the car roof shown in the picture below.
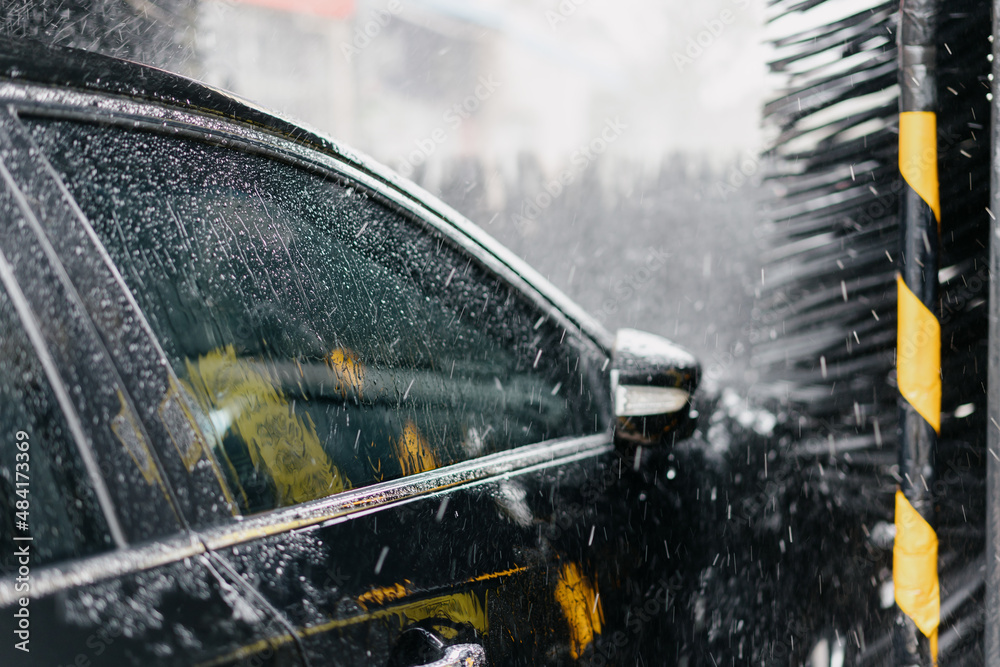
(33, 62)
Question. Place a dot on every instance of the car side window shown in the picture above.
(328, 340)
(48, 508)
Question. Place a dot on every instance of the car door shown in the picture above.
(96, 567)
(416, 445)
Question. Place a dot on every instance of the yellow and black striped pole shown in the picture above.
(918, 348)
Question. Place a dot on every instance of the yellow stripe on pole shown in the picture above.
(918, 355)
(918, 156)
(914, 569)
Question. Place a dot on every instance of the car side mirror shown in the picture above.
(652, 382)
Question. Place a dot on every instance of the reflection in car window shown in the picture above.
(45, 493)
(329, 341)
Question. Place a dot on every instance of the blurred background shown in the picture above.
(595, 139)
(610, 144)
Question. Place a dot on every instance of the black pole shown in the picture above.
(918, 352)
(991, 634)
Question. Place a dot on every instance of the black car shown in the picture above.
(266, 403)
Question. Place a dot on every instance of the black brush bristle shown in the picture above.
(828, 296)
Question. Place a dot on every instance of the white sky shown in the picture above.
(684, 75)
(688, 76)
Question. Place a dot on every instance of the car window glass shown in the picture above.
(328, 340)
(47, 505)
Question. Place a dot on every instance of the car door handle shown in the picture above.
(460, 655)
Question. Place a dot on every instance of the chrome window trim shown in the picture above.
(359, 502)
(333, 509)
(50, 579)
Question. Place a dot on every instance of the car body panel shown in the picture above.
(468, 564)
(182, 613)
